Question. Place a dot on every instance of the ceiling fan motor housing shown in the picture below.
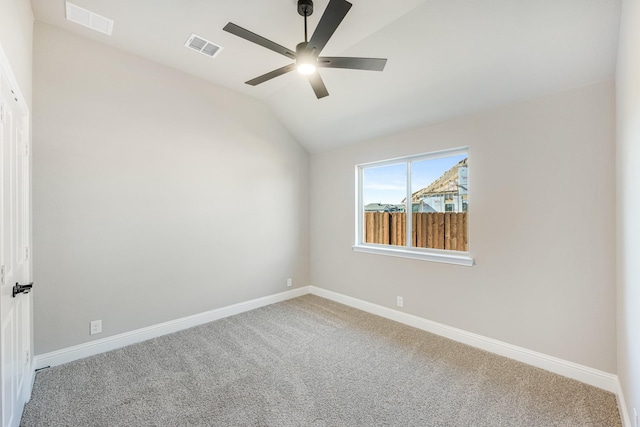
(304, 57)
(305, 7)
(300, 48)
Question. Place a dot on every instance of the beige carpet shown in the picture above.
(309, 362)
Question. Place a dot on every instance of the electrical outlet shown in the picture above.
(635, 418)
(289, 282)
(399, 301)
(95, 327)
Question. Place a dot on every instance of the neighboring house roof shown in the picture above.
(378, 207)
(446, 183)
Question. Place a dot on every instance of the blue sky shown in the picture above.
(387, 184)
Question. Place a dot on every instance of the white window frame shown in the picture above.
(408, 251)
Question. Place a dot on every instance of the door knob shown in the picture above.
(22, 289)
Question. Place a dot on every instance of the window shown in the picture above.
(433, 187)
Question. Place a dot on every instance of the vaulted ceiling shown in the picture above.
(445, 58)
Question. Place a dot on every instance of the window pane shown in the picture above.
(439, 203)
(384, 190)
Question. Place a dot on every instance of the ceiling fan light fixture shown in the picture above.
(306, 68)
(305, 61)
(306, 64)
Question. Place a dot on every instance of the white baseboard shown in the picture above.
(80, 351)
(622, 405)
(585, 374)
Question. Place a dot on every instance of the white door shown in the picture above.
(15, 316)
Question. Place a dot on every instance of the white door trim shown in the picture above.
(26, 303)
(5, 67)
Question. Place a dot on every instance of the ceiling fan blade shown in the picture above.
(333, 15)
(318, 85)
(270, 75)
(370, 64)
(253, 37)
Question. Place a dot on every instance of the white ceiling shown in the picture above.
(447, 58)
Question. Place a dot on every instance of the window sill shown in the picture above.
(459, 258)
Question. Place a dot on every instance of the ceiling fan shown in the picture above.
(306, 54)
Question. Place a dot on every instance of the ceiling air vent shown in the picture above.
(203, 46)
(89, 19)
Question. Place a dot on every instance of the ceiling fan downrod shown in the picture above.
(305, 8)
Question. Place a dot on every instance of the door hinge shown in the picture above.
(26, 359)
(2, 274)
(26, 253)
(2, 108)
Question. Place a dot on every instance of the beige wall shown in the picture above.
(542, 228)
(16, 33)
(156, 195)
(628, 180)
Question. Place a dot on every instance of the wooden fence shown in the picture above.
(430, 230)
